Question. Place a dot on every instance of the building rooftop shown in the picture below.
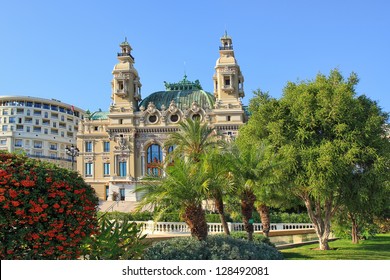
(184, 93)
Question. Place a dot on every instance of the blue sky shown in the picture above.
(67, 49)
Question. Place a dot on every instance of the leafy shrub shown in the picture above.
(283, 217)
(257, 238)
(342, 228)
(214, 218)
(216, 247)
(228, 248)
(45, 211)
(116, 240)
(179, 248)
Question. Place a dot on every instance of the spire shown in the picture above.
(125, 49)
(226, 42)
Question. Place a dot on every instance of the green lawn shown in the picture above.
(376, 248)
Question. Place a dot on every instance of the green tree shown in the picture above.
(314, 127)
(219, 181)
(249, 169)
(184, 187)
(192, 140)
(366, 195)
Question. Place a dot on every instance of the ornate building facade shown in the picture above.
(119, 147)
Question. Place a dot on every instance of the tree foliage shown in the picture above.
(318, 128)
(183, 187)
(45, 211)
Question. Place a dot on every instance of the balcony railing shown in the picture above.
(49, 157)
(222, 48)
(126, 54)
(151, 227)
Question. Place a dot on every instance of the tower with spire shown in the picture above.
(228, 84)
(125, 85)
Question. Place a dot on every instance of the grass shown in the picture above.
(375, 248)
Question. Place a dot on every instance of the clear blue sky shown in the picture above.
(67, 49)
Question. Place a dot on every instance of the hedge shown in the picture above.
(216, 247)
(45, 211)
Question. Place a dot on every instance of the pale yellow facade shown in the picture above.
(120, 147)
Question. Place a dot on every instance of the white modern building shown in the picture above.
(40, 128)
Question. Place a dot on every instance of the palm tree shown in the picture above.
(250, 169)
(219, 182)
(184, 187)
(192, 140)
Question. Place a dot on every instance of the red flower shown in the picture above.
(35, 236)
(13, 193)
(56, 206)
(49, 180)
(15, 203)
(2, 198)
(19, 212)
(27, 183)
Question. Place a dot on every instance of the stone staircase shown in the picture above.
(120, 206)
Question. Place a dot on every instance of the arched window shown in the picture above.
(170, 150)
(154, 160)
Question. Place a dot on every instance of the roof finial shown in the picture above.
(125, 38)
(185, 70)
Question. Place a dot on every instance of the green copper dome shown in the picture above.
(184, 93)
(99, 115)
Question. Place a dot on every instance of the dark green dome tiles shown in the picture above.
(184, 93)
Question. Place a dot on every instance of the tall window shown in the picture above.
(18, 142)
(122, 169)
(106, 146)
(122, 194)
(106, 169)
(154, 159)
(88, 169)
(88, 147)
(170, 150)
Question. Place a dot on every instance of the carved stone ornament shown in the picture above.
(88, 159)
(195, 107)
(122, 158)
(151, 108)
(228, 70)
(172, 107)
(121, 141)
(105, 158)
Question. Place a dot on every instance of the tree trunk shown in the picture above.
(219, 206)
(355, 229)
(195, 218)
(265, 220)
(320, 217)
(247, 205)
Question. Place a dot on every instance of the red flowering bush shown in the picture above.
(45, 211)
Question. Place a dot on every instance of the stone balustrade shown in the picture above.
(151, 227)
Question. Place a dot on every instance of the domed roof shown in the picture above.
(98, 115)
(184, 93)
